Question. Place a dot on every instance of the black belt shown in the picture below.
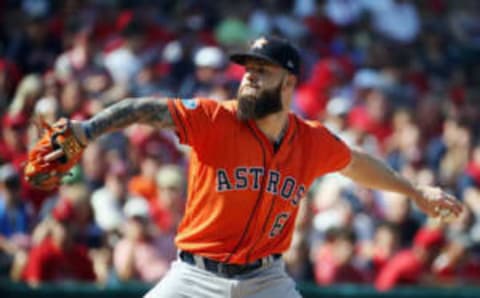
(225, 269)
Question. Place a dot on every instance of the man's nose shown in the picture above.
(251, 77)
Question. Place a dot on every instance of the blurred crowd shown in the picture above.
(399, 78)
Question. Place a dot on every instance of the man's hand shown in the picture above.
(58, 150)
(437, 203)
(78, 132)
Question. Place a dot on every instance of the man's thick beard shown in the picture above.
(252, 107)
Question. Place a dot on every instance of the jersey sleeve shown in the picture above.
(333, 154)
(195, 119)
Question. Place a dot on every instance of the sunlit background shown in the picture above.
(399, 78)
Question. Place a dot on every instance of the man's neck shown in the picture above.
(273, 126)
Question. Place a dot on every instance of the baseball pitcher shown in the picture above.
(252, 162)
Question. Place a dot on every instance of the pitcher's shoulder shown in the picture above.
(307, 125)
(230, 105)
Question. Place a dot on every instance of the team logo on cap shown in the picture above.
(259, 43)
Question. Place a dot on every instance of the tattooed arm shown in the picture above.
(153, 111)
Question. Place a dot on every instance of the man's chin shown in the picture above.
(256, 106)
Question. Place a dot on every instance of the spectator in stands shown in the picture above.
(405, 147)
(397, 211)
(29, 90)
(9, 76)
(46, 108)
(373, 115)
(167, 209)
(209, 62)
(463, 23)
(59, 257)
(94, 166)
(13, 147)
(144, 184)
(140, 255)
(340, 204)
(80, 60)
(335, 117)
(344, 13)
(448, 153)
(148, 142)
(73, 102)
(15, 218)
(469, 224)
(125, 62)
(389, 13)
(150, 82)
(384, 245)
(411, 266)
(88, 232)
(471, 176)
(334, 261)
(35, 48)
(108, 201)
(456, 264)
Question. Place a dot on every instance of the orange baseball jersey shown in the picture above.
(243, 196)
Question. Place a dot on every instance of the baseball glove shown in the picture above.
(46, 174)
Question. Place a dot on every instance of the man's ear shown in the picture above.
(289, 81)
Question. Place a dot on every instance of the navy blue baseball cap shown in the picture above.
(272, 49)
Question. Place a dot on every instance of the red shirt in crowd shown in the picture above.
(49, 263)
(162, 217)
(404, 268)
(379, 259)
(328, 271)
(468, 273)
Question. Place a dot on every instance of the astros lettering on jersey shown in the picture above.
(242, 195)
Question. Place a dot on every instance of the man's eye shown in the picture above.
(256, 70)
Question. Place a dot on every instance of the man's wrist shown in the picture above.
(415, 193)
(80, 131)
(87, 129)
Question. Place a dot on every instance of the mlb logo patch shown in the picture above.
(190, 104)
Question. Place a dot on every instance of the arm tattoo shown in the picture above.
(152, 111)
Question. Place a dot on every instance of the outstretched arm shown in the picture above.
(372, 173)
(148, 110)
(62, 143)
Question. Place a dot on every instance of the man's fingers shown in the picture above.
(54, 155)
(450, 204)
(454, 205)
(457, 208)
